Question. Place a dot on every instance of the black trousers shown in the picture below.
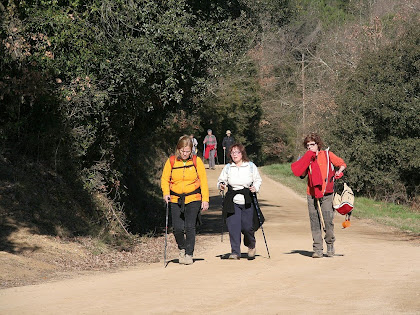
(184, 225)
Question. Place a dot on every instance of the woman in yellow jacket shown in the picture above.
(185, 189)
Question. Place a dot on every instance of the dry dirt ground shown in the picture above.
(375, 270)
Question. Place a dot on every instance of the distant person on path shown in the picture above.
(242, 178)
(319, 165)
(185, 189)
(226, 144)
(194, 143)
(211, 148)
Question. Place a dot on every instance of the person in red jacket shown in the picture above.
(211, 149)
(320, 166)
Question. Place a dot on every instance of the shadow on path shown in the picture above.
(212, 218)
(243, 255)
(307, 253)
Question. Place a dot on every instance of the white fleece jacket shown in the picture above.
(240, 177)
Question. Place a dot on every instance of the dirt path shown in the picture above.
(374, 271)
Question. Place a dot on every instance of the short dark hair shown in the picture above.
(313, 136)
(240, 148)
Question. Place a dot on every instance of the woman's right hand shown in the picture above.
(167, 198)
(222, 186)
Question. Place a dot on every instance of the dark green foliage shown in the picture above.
(36, 198)
(379, 129)
(103, 89)
(98, 92)
(329, 12)
(277, 12)
(235, 105)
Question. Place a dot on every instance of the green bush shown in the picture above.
(379, 127)
(97, 87)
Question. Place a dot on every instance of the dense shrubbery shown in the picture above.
(379, 125)
(371, 120)
(102, 89)
(235, 104)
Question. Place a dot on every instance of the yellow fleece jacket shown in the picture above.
(185, 180)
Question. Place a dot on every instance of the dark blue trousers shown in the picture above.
(241, 222)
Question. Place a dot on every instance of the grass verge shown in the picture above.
(402, 217)
(283, 174)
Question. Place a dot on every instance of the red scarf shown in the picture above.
(208, 149)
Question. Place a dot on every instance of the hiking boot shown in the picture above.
(233, 257)
(251, 252)
(188, 260)
(330, 250)
(181, 256)
(317, 254)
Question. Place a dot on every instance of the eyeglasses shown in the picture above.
(236, 152)
(185, 152)
(309, 145)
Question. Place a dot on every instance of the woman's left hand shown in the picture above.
(204, 205)
(252, 189)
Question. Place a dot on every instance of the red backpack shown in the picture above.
(172, 159)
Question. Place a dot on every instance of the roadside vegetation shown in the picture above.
(94, 95)
(402, 217)
(283, 174)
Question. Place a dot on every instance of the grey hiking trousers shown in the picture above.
(212, 154)
(316, 228)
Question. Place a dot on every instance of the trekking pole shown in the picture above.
(321, 217)
(224, 155)
(166, 234)
(257, 207)
(223, 220)
(204, 151)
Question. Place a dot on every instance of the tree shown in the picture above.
(379, 127)
(107, 78)
(234, 104)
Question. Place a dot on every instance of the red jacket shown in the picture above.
(318, 172)
(308, 162)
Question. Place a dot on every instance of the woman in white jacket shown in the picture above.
(242, 178)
